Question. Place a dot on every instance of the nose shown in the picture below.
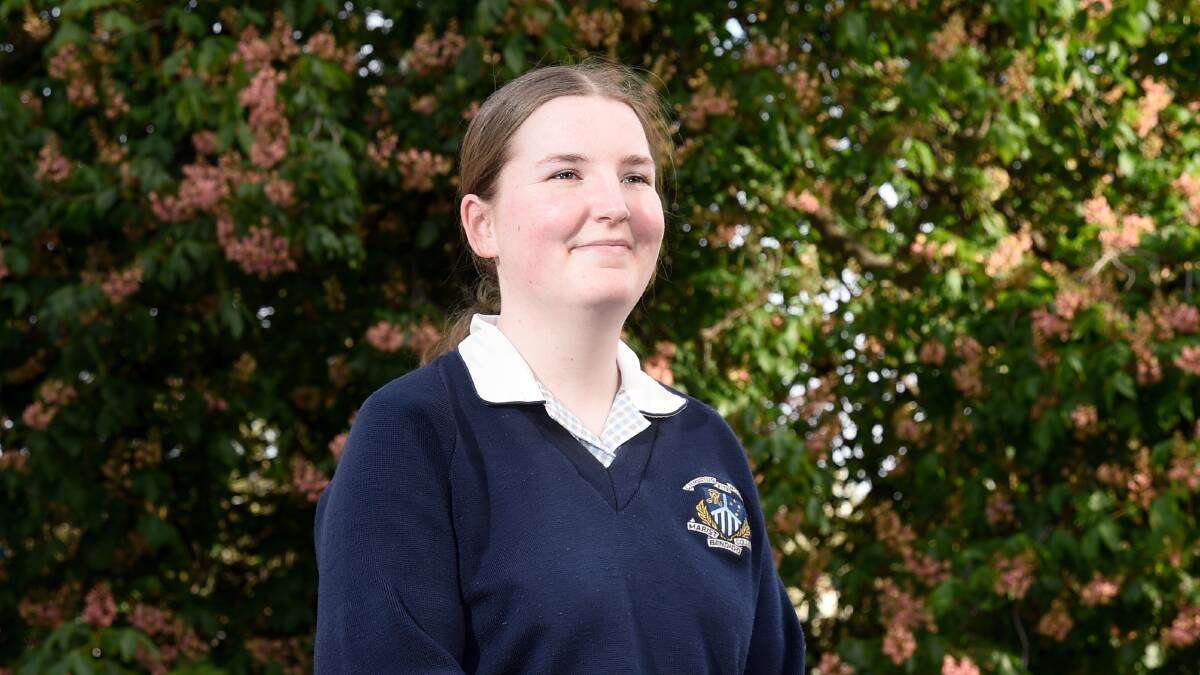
(608, 202)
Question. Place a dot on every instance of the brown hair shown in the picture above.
(485, 150)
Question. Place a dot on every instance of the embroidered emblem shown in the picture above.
(721, 515)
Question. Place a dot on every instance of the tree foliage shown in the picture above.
(934, 262)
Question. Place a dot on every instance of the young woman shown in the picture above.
(530, 500)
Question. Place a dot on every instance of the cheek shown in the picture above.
(534, 234)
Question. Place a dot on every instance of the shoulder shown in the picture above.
(410, 410)
(697, 412)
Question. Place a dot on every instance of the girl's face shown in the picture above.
(576, 220)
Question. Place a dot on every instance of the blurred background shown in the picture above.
(934, 262)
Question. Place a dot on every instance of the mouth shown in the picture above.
(614, 244)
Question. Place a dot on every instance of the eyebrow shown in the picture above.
(570, 158)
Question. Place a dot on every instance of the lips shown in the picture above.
(607, 242)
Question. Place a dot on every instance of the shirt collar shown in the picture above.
(501, 375)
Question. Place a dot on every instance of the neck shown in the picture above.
(573, 354)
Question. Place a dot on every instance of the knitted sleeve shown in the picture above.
(388, 599)
(777, 645)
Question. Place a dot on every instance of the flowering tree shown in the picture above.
(935, 264)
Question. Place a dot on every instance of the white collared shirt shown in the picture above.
(501, 375)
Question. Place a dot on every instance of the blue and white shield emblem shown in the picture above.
(720, 514)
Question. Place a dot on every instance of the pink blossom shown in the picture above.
(13, 461)
(1175, 317)
(268, 152)
(337, 445)
(280, 192)
(1056, 623)
(946, 41)
(322, 45)
(101, 608)
(1068, 301)
(64, 63)
(205, 142)
(385, 336)
(707, 102)
(899, 644)
(763, 54)
(1141, 482)
(1008, 254)
(820, 440)
(52, 167)
(805, 88)
(31, 101)
(1189, 359)
(1015, 575)
(926, 568)
(1157, 97)
(424, 105)
(1189, 185)
(170, 209)
(49, 613)
(422, 336)
(260, 253)
(805, 201)
(658, 365)
(1128, 234)
(968, 380)
(115, 105)
(832, 664)
(380, 150)
(56, 392)
(1084, 416)
(120, 285)
(952, 666)
(592, 28)
(150, 620)
(203, 187)
(1099, 591)
(933, 353)
(4, 272)
(1185, 469)
(307, 480)
(252, 52)
(39, 416)
(967, 348)
(1096, 211)
(1048, 324)
(267, 120)
(419, 167)
(999, 508)
(1185, 629)
(430, 53)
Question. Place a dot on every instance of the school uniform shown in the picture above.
(475, 526)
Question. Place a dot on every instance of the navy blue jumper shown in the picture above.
(459, 536)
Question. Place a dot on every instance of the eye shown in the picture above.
(640, 177)
(565, 172)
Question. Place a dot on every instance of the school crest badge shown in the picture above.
(720, 514)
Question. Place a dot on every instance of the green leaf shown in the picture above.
(116, 22)
(514, 54)
(158, 533)
(852, 29)
(1124, 384)
(488, 13)
(104, 200)
(1110, 533)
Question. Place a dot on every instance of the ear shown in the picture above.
(476, 216)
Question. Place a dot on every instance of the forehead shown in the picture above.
(594, 126)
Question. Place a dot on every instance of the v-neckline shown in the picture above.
(619, 482)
